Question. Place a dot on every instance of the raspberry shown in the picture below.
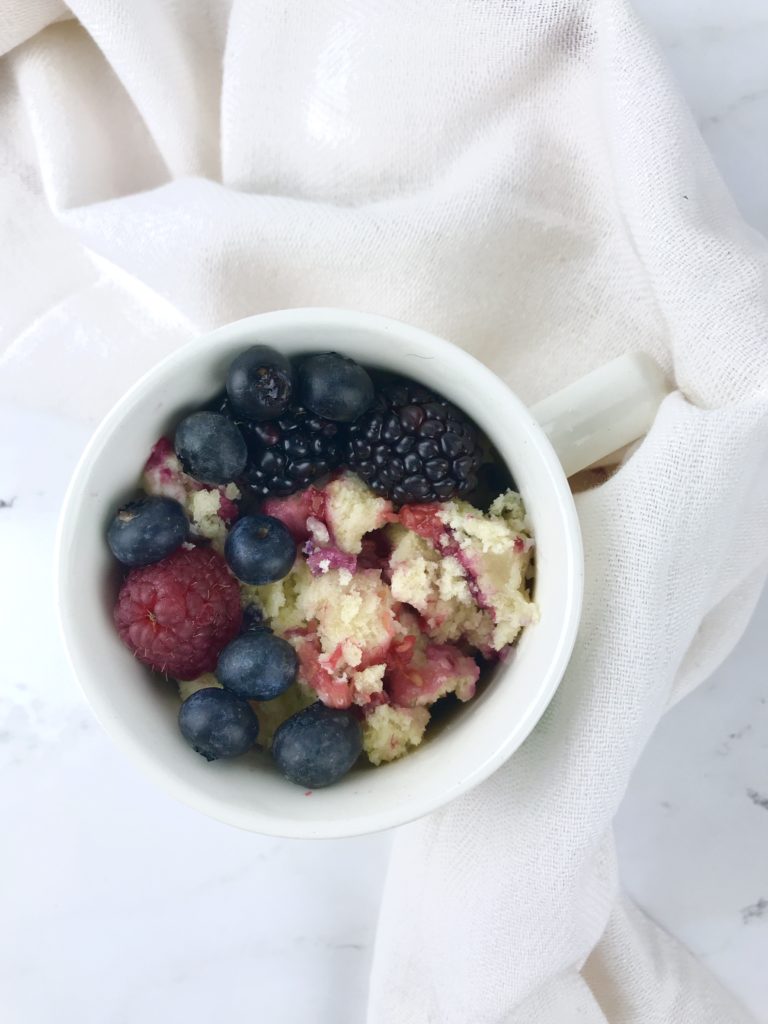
(178, 614)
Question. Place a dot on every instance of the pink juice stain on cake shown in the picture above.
(329, 676)
(366, 646)
(312, 516)
(317, 670)
(420, 672)
(323, 514)
(416, 679)
(322, 554)
(323, 559)
(426, 522)
(296, 511)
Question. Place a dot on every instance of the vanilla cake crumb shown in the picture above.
(272, 713)
(354, 510)
(472, 582)
(354, 615)
(204, 682)
(438, 589)
(203, 510)
(398, 624)
(496, 552)
(389, 732)
(352, 653)
(489, 534)
(279, 602)
(367, 682)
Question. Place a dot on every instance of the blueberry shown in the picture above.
(260, 549)
(257, 666)
(260, 383)
(253, 619)
(147, 530)
(210, 447)
(217, 724)
(317, 746)
(334, 387)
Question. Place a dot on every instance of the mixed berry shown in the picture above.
(210, 448)
(218, 724)
(317, 746)
(260, 549)
(257, 665)
(147, 530)
(177, 614)
(290, 452)
(413, 446)
(298, 564)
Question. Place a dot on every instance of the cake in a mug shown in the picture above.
(313, 563)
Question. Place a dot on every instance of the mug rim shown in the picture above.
(96, 695)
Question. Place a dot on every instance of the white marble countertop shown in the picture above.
(145, 912)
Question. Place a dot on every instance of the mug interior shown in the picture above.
(139, 709)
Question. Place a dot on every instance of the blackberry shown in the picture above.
(288, 453)
(414, 446)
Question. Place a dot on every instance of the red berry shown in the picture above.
(178, 614)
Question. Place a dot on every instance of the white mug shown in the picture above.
(542, 446)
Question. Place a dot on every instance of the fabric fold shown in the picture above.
(524, 180)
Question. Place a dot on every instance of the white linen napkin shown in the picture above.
(522, 178)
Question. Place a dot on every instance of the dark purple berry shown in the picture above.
(147, 530)
(298, 449)
(218, 724)
(334, 387)
(259, 550)
(210, 447)
(260, 383)
(257, 666)
(317, 746)
(289, 453)
(414, 446)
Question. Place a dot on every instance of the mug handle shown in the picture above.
(603, 412)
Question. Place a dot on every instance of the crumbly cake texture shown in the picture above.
(210, 510)
(189, 686)
(272, 713)
(466, 572)
(388, 612)
(353, 510)
(390, 731)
